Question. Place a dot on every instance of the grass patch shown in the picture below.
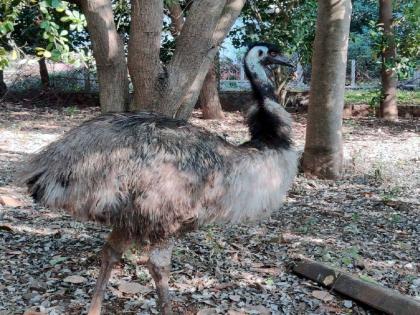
(365, 97)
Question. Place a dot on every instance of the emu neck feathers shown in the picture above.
(269, 124)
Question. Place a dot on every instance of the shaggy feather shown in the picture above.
(156, 177)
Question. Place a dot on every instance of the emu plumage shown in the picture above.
(155, 176)
(151, 177)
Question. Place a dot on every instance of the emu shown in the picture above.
(152, 178)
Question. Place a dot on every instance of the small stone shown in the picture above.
(348, 304)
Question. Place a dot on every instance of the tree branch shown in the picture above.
(227, 18)
(177, 17)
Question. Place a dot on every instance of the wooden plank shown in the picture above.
(378, 297)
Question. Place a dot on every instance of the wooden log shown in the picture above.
(378, 297)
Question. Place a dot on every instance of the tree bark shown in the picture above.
(174, 90)
(177, 17)
(43, 72)
(143, 54)
(108, 51)
(230, 12)
(388, 106)
(3, 86)
(323, 154)
(209, 96)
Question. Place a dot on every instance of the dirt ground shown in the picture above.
(367, 223)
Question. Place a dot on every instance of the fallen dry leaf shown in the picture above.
(74, 279)
(133, 288)
(207, 311)
(322, 295)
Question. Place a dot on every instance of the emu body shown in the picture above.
(151, 177)
(156, 176)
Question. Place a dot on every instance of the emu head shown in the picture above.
(259, 62)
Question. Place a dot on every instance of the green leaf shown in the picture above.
(64, 33)
(9, 26)
(44, 25)
(55, 3)
(56, 55)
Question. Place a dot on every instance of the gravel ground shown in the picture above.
(367, 223)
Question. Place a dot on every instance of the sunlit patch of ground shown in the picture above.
(367, 223)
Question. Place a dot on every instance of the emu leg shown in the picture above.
(112, 251)
(159, 265)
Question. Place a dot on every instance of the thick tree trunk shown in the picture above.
(175, 90)
(323, 153)
(109, 54)
(388, 106)
(43, 72)
(3, 86)
(209, 96)
(143, 53)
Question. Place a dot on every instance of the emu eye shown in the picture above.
(273, 53)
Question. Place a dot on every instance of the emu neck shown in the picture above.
(269, 123)
(260, 83)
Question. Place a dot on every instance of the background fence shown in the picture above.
(23, 76)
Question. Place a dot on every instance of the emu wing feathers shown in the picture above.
(118, 168)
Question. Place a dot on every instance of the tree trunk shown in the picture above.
(228, 16)
(209, 96)
(3, 86)
(108, 51)
(143, 53)
(388, 107)
(174, 90)
(43, 72)
(323, 153)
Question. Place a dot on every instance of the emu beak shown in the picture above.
(280, 60)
